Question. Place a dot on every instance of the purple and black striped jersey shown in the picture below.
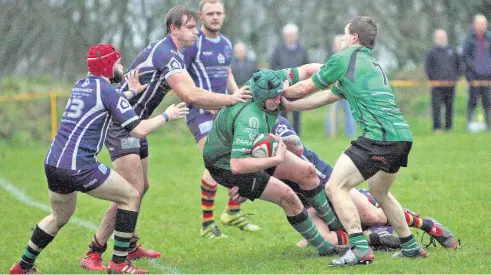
(208, 62)
(156, 63)
(93, 103)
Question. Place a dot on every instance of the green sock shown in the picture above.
(305, 226)
(318, 199)
(359, 241)
(409, 245)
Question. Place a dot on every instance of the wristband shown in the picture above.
(133, 93)
(166, 117)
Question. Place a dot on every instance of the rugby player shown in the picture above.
(161, 66)
(71, 165)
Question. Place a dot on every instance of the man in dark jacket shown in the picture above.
(289, 54)
(242, 66)
(442, 66)
(477, 57)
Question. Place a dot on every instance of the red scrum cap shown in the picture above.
(101, 59)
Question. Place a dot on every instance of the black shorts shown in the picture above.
(250, 185)
(120, 143)
(63, 181)
(371, 156)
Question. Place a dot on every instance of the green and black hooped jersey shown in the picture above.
(358, 78)
(236, 127)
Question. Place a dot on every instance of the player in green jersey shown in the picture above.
(378, 154)
(227, 156)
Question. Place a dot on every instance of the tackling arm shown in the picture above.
(315, 101)
(300, 89)
(184, 87)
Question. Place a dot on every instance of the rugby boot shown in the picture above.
(17, 269)
(124, 268)
(354, 256)
(386, 240)
(442, 235)
(419, 253)
(92, 261)
(141, 252)
(211, 231)
(238, 220)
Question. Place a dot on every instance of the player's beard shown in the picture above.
(118, 76)
(211, 29)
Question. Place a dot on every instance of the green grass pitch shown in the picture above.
(448, 178)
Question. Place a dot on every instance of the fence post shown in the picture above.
(54, 120)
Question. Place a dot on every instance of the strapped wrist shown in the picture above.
(166, 117)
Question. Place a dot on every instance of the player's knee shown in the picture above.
(288, 199)
(312, 173)
(131, 199)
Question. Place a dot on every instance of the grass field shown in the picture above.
(448, 178)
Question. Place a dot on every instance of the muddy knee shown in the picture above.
(289, 200)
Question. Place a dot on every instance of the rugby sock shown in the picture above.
(305, 226)
(416, 221)
(95, 246)
(318, 199)
(409, 245)
(233, 207)
(123, 232)
(359, 241)
(342, 237)
(207, 202)
(39, 240)
(133, 242)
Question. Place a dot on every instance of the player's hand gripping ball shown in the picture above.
(265, 146)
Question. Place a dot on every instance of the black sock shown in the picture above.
(39, 240)
(123, 232)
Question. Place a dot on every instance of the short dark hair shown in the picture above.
(366, 29)
(175, 16)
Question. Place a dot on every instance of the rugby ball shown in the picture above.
(264, 146)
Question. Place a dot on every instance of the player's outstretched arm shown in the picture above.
(314, 101)
(251, 165)
(184, 87)
(306, 71)
(300, 89)
(173, 112)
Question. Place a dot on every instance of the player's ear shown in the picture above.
(200, 15)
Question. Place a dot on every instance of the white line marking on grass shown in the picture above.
(27, 200)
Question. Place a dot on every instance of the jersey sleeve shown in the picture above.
(168, 61)
(244, 136)
(328, 73)
(337, 89)
(120, 108)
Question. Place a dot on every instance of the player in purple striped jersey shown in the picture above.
(208, 62)
(161, 66)
(71, 164)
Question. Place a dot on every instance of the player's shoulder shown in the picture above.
(226, 40)
(165, 49)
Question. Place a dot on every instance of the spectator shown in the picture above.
(242, 66)
(442, 66)
(477, 57)
(288, 55)
(335, 109)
